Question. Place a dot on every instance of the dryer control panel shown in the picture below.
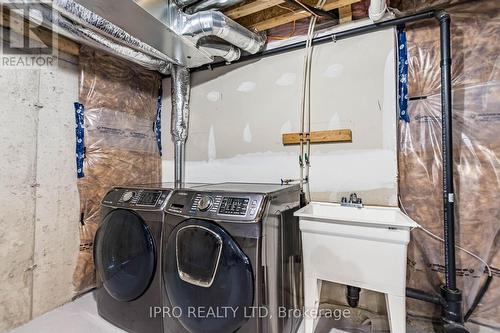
(217, 205)
(137, 198)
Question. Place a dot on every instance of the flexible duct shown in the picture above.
(89, 19)
(78, 23)
(213, 23)
(377, 10)
(180, 90)
(212, 5)
(123, 45)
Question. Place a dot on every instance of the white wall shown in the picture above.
(39, 205)
(238, 114)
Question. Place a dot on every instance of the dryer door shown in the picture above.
(208, 277)
(124, 255)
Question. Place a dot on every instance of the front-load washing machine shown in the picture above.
(232, 259)
(127, 256)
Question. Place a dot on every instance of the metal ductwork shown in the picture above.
(152, 33)
(212, 5)
(180, 90)
(216, 24)
(226, 51)
(184, 3)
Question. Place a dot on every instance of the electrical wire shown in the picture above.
(442, 240)
(293, 27)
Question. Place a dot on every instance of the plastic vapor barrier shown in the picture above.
(120, 100)
(476, 136)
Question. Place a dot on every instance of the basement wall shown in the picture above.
(38, 196)
(239, 112)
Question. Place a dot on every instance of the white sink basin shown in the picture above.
(368, 215)
(362, 247)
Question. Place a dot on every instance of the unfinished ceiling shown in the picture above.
(262, 15)
(287, 18)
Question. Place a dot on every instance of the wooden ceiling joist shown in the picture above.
(287, 17)
(345, 14)
(251, 8)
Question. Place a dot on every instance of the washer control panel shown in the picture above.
(234, 206)
(204, 203)
(216, 205)
(139, 198)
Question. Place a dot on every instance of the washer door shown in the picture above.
(208, 277)
(124, 255)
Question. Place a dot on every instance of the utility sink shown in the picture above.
(374, 216)
(361, 247)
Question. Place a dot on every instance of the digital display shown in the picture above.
(234, 206)
(149, 198)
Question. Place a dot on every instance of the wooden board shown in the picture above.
(345, 14)
(64, 44)
(252, 7)
(287, 16)
(330, 136)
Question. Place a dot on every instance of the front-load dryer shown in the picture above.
(232, 259)
(127, 256)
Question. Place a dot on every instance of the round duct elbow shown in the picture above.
(228, 52)
(213, 23)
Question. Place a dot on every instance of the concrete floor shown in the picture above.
(80, 316)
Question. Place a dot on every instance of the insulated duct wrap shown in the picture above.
(84, 16)
(76, 22)
(476, 150)
(180, 89)
(83, 30)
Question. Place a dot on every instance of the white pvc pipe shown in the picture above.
(377, 10)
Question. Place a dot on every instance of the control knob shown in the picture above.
(205, 203)
(127, 196)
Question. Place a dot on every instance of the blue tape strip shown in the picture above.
(403, 76)
(80, 138)
(158, 120)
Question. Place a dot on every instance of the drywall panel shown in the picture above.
(239, 112)
(18, 125)
(57, 201)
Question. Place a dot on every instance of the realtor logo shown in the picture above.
(27, 40)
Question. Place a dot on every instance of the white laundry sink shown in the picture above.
(368, 215)
(362, 247)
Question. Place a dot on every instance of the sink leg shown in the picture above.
(396, 310)
(312, 293)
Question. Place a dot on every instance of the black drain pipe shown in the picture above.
(452, 310)
(451, 298)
